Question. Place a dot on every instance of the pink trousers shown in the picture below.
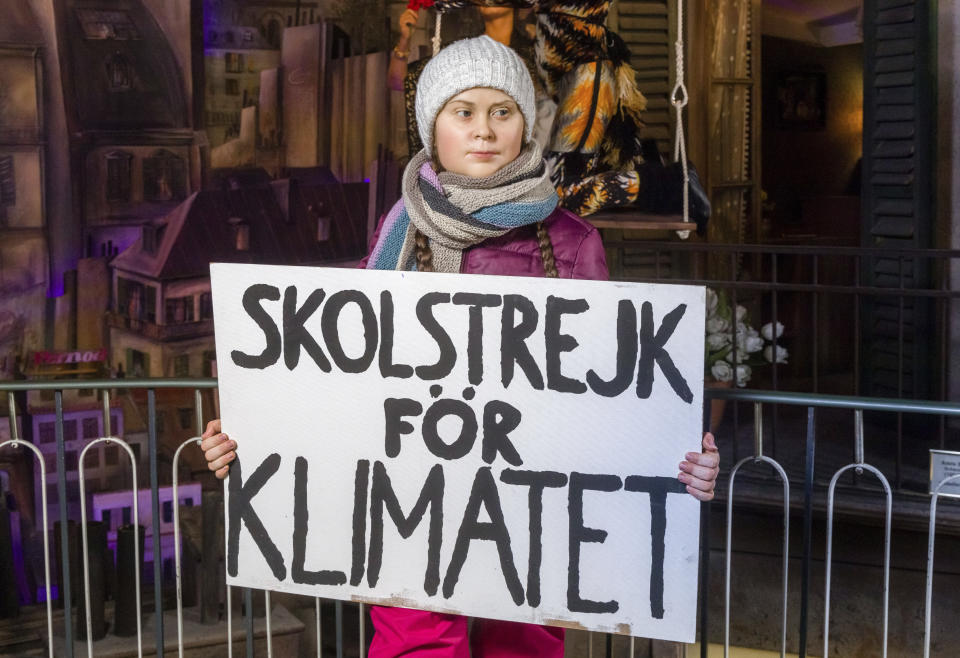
(403, 632)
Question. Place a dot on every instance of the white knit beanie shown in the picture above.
(469, 63)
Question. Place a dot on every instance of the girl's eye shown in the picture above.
(501, 112)
(464, 114)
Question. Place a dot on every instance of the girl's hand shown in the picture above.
(700, 469)
(406, 23)
(218, 449)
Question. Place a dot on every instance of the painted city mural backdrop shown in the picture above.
(141, 140)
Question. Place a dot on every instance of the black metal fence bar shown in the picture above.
(704, 579)
(65, 590)
(338, 613)
(155, 519)
(319, 628)
(248, 619)
(810, 445)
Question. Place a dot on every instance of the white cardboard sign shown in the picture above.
(500, 447)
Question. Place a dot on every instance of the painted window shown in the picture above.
(209, 362)
(118, 176)
(179, 309)
(164, 177)
(274, 32)
(136, 301)
(206, 306)
(8, 186)
(48, 432)
(138, 363)
(185, 416)
(91, 427)
(181, 365)
(119, 72)
(148, 239)
(100, 24)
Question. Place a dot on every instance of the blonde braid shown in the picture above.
(423, 252)
(546, 252)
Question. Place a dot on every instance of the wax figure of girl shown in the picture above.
(589, 116)
(478, 199)
(516, 29)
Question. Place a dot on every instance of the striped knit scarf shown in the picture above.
(456, 212)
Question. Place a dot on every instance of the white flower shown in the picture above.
(716, 325)
(767, 331)
(741, 313)
(744, 329)
(748, 340)
(781, 353)
(753, 344)
(712, 301)
(741, 356)
(721, 371)
(717, 341)
(743, 375)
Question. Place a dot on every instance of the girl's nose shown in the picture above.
(482, 129)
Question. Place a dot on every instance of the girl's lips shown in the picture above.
(482, 155)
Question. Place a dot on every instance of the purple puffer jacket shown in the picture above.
(576, 247)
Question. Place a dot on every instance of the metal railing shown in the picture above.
(857, 318)
(811, 402)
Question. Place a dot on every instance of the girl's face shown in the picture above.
(478, 131)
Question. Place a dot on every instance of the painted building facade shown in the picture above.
(134, 147)
(24, 256)
(242, 38)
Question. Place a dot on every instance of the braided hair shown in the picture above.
(424, 255)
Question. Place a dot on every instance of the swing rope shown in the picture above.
(436, 35)
(679, 98)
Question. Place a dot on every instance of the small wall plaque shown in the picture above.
(943, 464)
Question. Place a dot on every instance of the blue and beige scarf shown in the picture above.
(456, 212)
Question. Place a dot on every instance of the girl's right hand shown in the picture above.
(408, 19)
(218, 449)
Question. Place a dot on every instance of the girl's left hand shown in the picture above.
(700, 469)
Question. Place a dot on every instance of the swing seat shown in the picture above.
(632, 219)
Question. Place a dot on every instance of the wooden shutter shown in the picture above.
(898, 187)
(649, 28)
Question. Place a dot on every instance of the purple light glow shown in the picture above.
(42, 594)
(56, 288)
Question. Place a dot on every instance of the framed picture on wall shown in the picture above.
(802, 100)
